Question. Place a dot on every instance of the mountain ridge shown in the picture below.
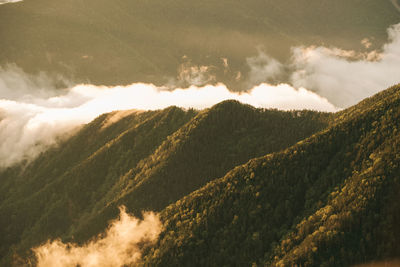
(198, 227)
(59, 195)
(289, 186)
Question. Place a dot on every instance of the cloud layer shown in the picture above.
(8, 1)
(119, 246)
(263, 68)
(34, 115)
(346, 77)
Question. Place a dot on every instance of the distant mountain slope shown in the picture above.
(330, 200)
(208, 146)
(45, 198)
(145, 160)
(122, 41)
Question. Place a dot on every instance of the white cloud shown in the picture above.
(17, 85)
(366, 43)
(263, 68)
(33, 118)
(345, 77)
(189, 73)
(8, 1)
(119, 246)
(34, 114)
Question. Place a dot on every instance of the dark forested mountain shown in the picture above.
(321, 190)
(233, 185)
(330, 200)
(123, 41)
(145, 160)
(46, 197)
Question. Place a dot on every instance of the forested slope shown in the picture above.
(145, 160)
(208, 146)
(45, 198)
(330, 200)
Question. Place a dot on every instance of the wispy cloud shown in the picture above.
(34, 114)
(8, 1)
(263, 68)
(118, 246)
(346, 77)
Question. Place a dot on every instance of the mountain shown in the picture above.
(43, 199)
(144, 160)
(234, 185)
(329, 200)
(125, 41)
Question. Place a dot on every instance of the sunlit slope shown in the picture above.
(122, 41)
(330, 200)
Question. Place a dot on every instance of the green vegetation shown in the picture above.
(47, 197)
(330, 200)
(318, 189)
(145, 160)
(235, 185)
(123, 41)
(206, 148)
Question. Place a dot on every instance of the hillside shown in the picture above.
(329, 200)
(206, 148)
(125, 41)
(42, 200)
(145, 160)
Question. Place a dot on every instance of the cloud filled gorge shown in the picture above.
(120, 245)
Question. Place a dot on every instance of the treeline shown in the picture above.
(330, 200)
(46, 198)
(145, 160)
(235, 185)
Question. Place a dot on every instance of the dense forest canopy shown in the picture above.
(330, 200)
(317, 188)
(206, 133)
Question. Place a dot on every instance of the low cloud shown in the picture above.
(191, 74)
(8, 1)
(366, 43)
(17, 85)
(34, 115)
(119, 246)
(263, 68)
(346, 77)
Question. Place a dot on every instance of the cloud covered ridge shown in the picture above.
(35, 115)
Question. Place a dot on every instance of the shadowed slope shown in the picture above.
(145, 160)
(329, 200)
(51, 194)
(213, 142)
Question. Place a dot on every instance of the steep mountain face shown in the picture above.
(123, 41)
(330, 200)
(42, 200)
(145, 160)
(208, 146)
